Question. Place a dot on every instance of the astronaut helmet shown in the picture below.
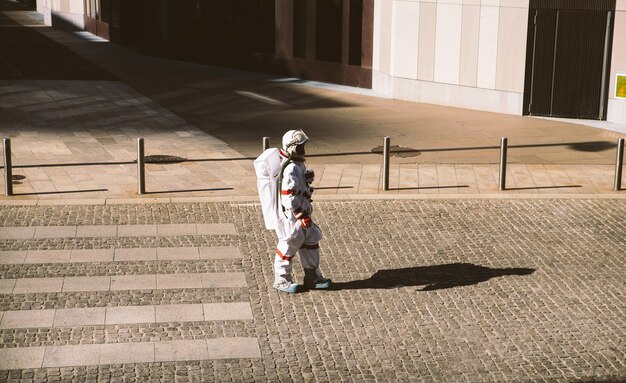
(293, 142)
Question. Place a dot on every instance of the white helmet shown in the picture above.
(293, 138)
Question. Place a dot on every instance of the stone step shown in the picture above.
(93, 316)
(122, 282)
(21, 257)
(125, 353)
(113, 231)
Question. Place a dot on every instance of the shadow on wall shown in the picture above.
(431, 277)
(28, 54)
(63, 22)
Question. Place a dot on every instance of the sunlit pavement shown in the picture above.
(441, 278)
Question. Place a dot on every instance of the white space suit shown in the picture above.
(297, 234)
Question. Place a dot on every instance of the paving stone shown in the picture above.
(465, 290)
(97, 231)
(227, 311)
(6, 286)
(135, 254)
(12, 257)
(48, 256)
(17, 232)
(179, 313)
(38, 285)
(75, 355)
(120, 353)
(31, 357)
(22, 319)
(219, 252)
(181, 350)
(133, 314)
(92, 283)
(120, 268)
(88, 316)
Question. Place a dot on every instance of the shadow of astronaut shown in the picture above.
(431, 277)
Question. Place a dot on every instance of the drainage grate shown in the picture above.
(398, 151)
(163, 159)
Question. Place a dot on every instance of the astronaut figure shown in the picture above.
(296, 230)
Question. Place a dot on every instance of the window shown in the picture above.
(299, 28)
(356, 17)
(328, 27)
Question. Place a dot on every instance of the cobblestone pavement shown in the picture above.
(426, 290)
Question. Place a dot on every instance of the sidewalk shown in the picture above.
(464, 283)
(66, 110)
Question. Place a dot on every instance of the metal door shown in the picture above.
(567, 62)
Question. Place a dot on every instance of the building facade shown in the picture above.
(560, 58)
(556, 58)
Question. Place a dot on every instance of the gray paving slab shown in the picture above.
(181, 350)
(179, 313)
(123, 353)
(130, 314)
(74, 355)
(177, 253)
(54, 231)
(19, 257)
(215, 229)
(165, 230)
(227, 311)
(92, 283)
(130, 282)
(137, 230)
(17, 232)
(48, 256)
(38, 285)
(179, 281)
(229, 348)
(235, 279)
(27, 319)
(7, 285)
(222, 252)
(161, 230)
(87, 316)
(12, 257)
(135, 254)
(92, 255)
(97, 231)
(21, 358)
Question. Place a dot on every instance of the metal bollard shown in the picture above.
(141, 169)
(266, 143)
(619, 162)
(8, 172)
(503, 149)
(386, 146)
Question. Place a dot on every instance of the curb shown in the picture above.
(345, 197)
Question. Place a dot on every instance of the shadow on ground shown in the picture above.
(27, 54)
(431, 277)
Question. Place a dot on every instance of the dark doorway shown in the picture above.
(568, 56)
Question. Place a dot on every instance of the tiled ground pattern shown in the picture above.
(426, 290)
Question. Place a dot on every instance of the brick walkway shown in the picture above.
(426, 290)
(443, 278)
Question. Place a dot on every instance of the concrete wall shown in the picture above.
(462, 53)
(616, 111)
(67, 14)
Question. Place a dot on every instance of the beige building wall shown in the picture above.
(616, 111)
(63, 13)
(462, 53)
